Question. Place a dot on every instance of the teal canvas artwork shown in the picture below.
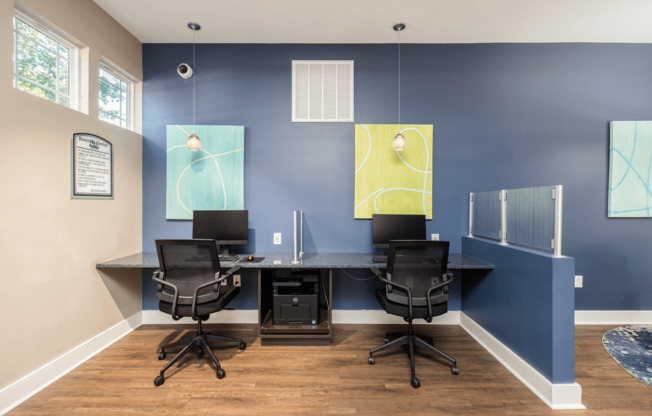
(211, 178)
(630, 169)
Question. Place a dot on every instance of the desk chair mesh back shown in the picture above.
(189, 284)
(416, 287)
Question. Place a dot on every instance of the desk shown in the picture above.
(321, 263)
(456, 261)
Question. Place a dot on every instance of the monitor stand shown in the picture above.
(225, 254)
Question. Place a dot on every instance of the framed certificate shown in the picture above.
(92, 167)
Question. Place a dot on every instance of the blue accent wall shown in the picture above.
(505, 116)
(526, 303)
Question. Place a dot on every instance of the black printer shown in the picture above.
(296, 297)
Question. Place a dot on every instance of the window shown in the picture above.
(44, 63)
(322, 91)
(113, 96)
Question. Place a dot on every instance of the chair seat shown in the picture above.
(398, 309)
(227, 293)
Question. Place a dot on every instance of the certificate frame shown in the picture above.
(91, 167)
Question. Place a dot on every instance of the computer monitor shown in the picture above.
(227, 228)
(387, 227)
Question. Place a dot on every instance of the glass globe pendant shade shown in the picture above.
(399, 142)
(193, 143)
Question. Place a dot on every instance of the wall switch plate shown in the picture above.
(579, 280)
(236, 280)
(434, 237)
(277, 238)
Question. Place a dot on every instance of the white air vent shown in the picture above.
(322, 91)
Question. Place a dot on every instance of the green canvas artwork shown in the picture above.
(388, 181)
(211, 178)
(630, 169)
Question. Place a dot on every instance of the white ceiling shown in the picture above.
(371, 21)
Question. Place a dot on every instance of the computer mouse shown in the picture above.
(250, 258)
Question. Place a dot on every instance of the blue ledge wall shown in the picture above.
(527, 303)
(504, 115)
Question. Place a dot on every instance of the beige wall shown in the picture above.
(52, 299)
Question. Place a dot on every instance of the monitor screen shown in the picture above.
(225, 227)
(387, 227)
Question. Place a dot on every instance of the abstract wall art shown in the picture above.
(630, 169)
(211, 178)
(388, 181)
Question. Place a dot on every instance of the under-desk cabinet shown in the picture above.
(295, 306)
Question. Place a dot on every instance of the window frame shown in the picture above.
(56, 35)
(122, 76)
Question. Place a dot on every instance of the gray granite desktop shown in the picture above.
(456, 261)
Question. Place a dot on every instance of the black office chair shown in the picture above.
(416, 286)
(190, 284)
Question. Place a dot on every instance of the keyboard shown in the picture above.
(229, 257)
(380, 259)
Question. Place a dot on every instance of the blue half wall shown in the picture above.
(504, 115)
(526, 303)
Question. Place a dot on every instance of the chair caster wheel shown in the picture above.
(415, 383)
(159, 381)
(161, 356)
(220, 373)
(372, 361)
(455, 370)
(242, 345)
(200, 353)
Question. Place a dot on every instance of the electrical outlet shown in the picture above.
(579, 281)
(434, 237)
(236, 280)
(277, 238)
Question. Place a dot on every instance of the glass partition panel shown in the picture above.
(486, 214)
(531, 217)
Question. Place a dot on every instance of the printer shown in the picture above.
(295, 297)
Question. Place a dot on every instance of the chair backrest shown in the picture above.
(418, 265)
(188, 264)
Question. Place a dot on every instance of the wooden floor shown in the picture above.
(333, 380)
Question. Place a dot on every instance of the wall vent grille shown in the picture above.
(322, 91)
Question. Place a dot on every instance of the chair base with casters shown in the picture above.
(410, 339)
(199, 342)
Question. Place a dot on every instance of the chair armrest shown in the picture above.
(409, 293)
(157, 278)
(215, 282)
(375, 271)
(435, 287)
(232, 270)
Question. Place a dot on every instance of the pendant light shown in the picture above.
(399, 141)
(193, 143)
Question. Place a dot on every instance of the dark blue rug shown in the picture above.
(631, 347)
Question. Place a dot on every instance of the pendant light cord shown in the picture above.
(399, 80)
(194, 67)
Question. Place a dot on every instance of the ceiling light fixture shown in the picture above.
(399, 141)
(193, 143)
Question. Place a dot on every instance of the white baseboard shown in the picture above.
(342, 316)
(225, 316)
(555, 395)
(612, 317)
(19, 391)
